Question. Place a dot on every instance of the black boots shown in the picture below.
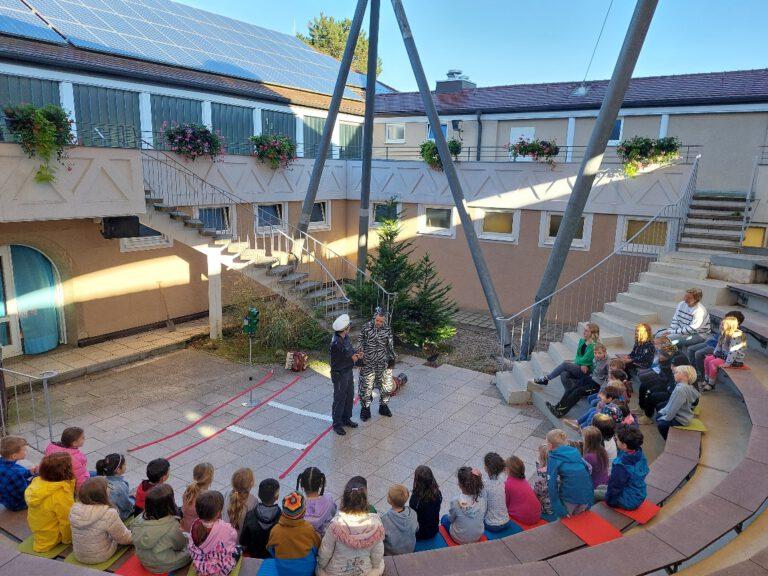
(557, 410)
(543, 381)
(384, 410)
(339, 430)
(365, 413)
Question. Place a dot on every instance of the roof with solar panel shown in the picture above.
(165, 32)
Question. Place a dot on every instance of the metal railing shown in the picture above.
(577, 299)
(25, 406)
(750, 205)
(266, 235)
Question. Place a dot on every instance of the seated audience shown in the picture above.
(293, 542)
(158, 471)
(362, 483)
(353, 543)
(570, 485)
(496, 514)
(697, 352)
(730, 351)
(14, 478)
(690, 322)
(49, 498)
(678, 411)
(541, 484)
(584, 385)
(582, 362)
(239, 500)
(112, 467)
(626, 485)
(607, 427)
(643, 350)
(426, 500)
(464, 521)
(159, 543)
(97, 529)
(212, 541)
(259, 522)
(595, 455)
(522, 505)
(400, 523)
(320, 508)
(72, 439)
(655, 389)
(202, 478)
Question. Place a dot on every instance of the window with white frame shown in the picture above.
(148, 239)
(550, 226)
(640, 234)
(431, 135)
(616, 133)
(269, 216)
(217, 218)
(395, 133)
(436, 220)
(321, 216)
(498, 224)
(381, 211)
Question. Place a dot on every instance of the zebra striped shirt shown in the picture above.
(690, 319)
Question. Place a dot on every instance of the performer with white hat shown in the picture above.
(343, 358)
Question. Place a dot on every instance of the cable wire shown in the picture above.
(599, 36)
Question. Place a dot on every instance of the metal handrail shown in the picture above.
(748, 199)
(26, 383)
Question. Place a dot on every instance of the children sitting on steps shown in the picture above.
(72, 439)
(158, 471)
(112, 467)
(212, 542)
(540, 484)
(49, 498)
(522, 505)
(595, 455)
(400, 523)
(320, 508)
(464, 521)
(259, 521)
(583, 360)
(569, 482)
(97, 529)
(730, 351)
(293, 542)
(496, 514)
(159, 543)
(626, 485)
(678, 411)
(239, 500)
(202, 478)
(584, 385)
(14, 478)
(643, 350)
(426, 500)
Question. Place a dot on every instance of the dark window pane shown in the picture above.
(383, 212)
(438, 217)
(214, 218)
(318, 212)
(270, 214)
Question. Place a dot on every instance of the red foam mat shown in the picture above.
(451, 542)
(642, 514)
(591, 528)
(540, 522)
(133, 567)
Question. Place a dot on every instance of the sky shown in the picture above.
(513, 41)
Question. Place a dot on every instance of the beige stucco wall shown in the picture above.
(107, 291)
(729, 144)
(546, 129)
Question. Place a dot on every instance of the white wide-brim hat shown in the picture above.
(341, 323)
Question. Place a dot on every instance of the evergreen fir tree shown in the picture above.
(429, 312)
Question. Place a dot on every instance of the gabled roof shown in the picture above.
(733, 87)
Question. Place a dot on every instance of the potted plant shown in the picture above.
(431, 156)
(539, 150)
(192, 141)
(42, 133)
(279, 151)
(640, 152)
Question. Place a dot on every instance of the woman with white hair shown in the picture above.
(690, 323)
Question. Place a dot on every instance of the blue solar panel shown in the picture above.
(171, 33)
(18, 20)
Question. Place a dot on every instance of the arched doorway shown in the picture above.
(30, 319)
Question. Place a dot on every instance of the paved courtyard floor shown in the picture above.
(445, 417)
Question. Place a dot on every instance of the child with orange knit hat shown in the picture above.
(293, 541)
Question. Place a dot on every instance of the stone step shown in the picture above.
(543, 394)
(663, 309)
(194, 223)
(727, 227)
(700, 247)
(542, 363)
(560, 352)
(717, 206)
(281, 270)
(333, 304)
(687, 259)
(321, 294)
(720, 196)
(152, 199)
(715, 291)
(713, 242)
(678, 270)
(177, 215)
(610, 339)
(654, 291)
(160, 207)
(308, 286)
(293, 278)
(715, 216)
(621, 326)
(693, 234)
(237, 247)
(631, 313)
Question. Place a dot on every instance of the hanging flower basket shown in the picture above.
(192, 141)
(431, 156)
(640, 152)
(278, 151)
(539, 150)
(42, 133)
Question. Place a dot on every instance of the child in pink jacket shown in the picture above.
(212, 542)
(72, 439)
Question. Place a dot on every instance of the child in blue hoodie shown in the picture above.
(568, 477)
(626, 485)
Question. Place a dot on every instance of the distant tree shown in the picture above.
(329, 36)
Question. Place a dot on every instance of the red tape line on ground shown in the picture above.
(308, 449)
(266, 377)
(236, 420)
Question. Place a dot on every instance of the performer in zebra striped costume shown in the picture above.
(378, 359)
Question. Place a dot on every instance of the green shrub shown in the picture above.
(279, 151)
(539, 150)
(431, 156)
(192, 140)
(639, 152)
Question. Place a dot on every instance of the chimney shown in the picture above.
(455, 82)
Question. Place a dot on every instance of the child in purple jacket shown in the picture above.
(320, 508)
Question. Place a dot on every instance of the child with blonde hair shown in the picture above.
(583, 360)
(569, 482)
(239, 500)
(678, 411)
(202, 478)
(730, 351)
(400, 522)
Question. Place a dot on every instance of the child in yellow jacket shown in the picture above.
(49, 498)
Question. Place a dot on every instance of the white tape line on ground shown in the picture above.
(300, 411)
(266, 438)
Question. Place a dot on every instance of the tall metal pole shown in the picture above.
(593, 156)
(370, 105)
(330, 122)
(450, 172)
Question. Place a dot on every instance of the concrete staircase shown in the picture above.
(276, 270)
(652, 299)
(714, 223)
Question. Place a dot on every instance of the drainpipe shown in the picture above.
(479, 132)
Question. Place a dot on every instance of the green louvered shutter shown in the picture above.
(15, 90)
(167, 110)
(235, 125)
(107, 117)
(351, 141)
(278, 124)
